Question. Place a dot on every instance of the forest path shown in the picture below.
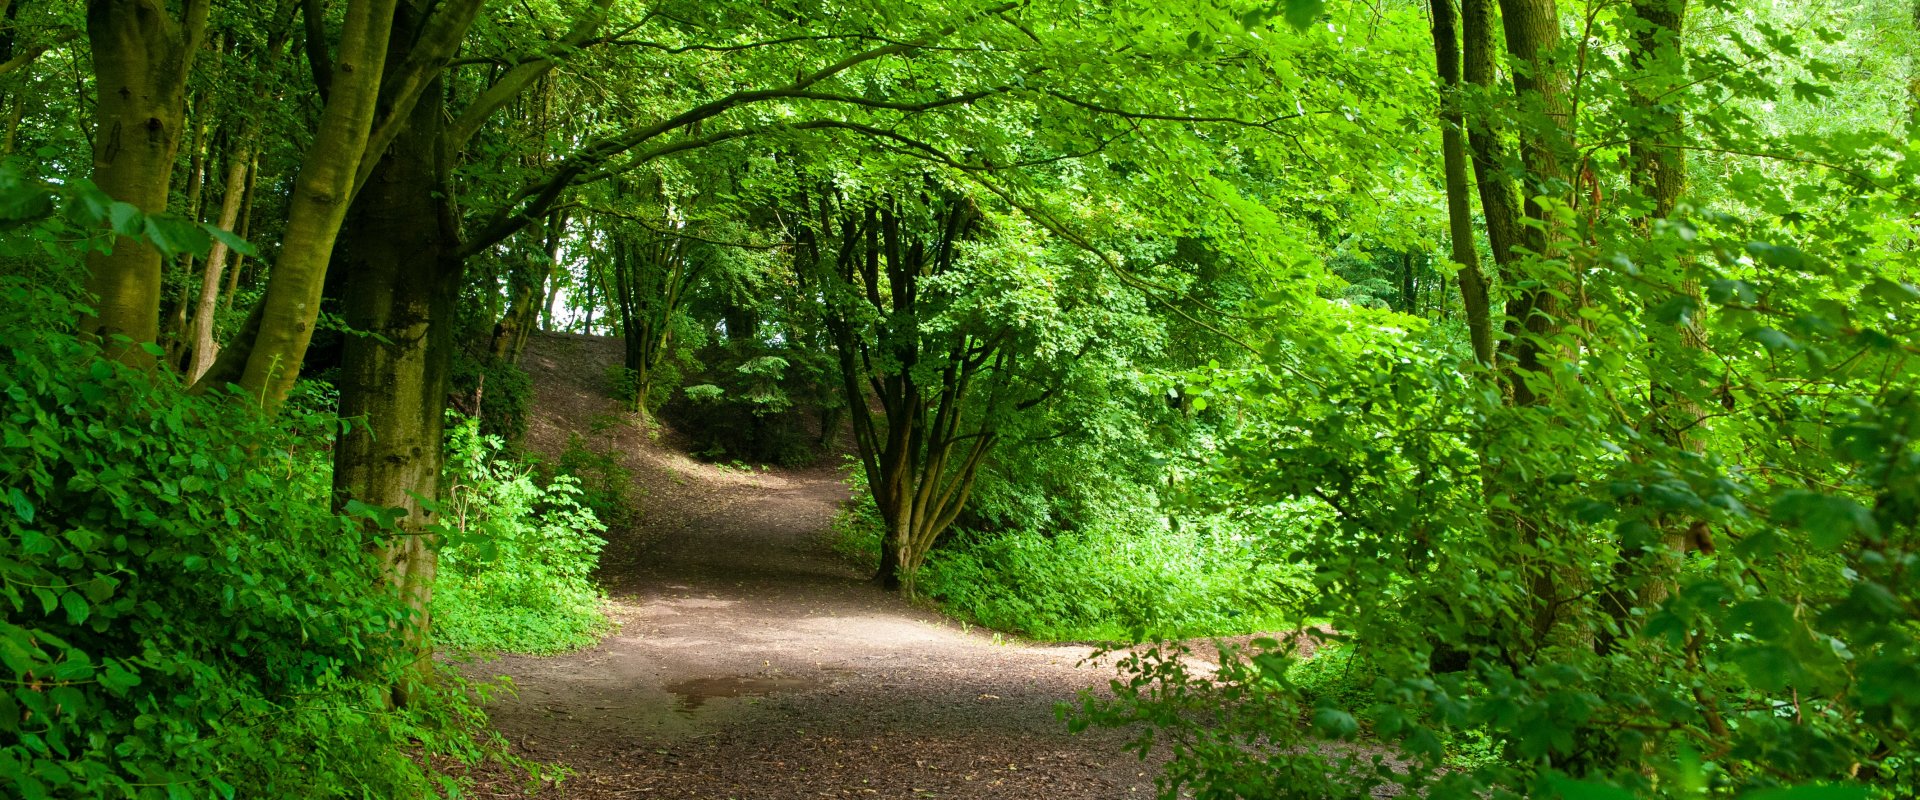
(752, 662)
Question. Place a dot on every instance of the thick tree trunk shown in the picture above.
(141, 57)
(1473, 284)
(266, 365)
(1533, 316)
(401, 283)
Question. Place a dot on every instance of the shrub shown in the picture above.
(856, 529)
(516, 572)
(1109, 584)
(185, 616)
(502, 390)
(603, 482)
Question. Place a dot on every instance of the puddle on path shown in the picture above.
(690, 695)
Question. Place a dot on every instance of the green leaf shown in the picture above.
(1333, 723)
(1810, 92)
(1587, 790)
(1773, 339)
(1769, 667)
(1831, 520)
(174, 236)
(1302, 13)
(233, 241)
(21, 505)
(124, 218)
(76, 606)
(1676, 310)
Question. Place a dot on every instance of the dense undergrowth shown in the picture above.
(1105, 584)
(129, 500)
(518, 576)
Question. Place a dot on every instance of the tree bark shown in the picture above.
(266, 365)
(243, 231)
(1913, 84)
(922, 456)
(141, 57)
(1453, 149)
(1499, 201)
(239, 161)
(1659, 173)
(403, 266)
(401, 285)
(526, 286)
(1540, 84)
(174, 333)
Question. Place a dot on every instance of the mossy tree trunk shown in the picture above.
(1499, 200)
(400, 286)
(1540, 87)
(141, 57)
(403, 264)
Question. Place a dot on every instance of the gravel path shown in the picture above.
(751, 662)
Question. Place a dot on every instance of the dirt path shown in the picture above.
(751, 662)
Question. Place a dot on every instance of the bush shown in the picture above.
(516, 573)
(1113, 585)
(857, 528)
(753, 402)
(502, 390)
(128, 502)
(603, 482)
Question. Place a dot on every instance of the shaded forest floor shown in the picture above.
(751, 662)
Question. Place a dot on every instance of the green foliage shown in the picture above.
(128, 503)
(747, 401)
(603, 482)
(503, 391)
(516, 572)
(1114, 585)
(857, 528)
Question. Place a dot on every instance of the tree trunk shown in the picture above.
(1499, 201)
(1913, 84)
(1409, 303)
(401, 283)
(243, 231)
(1473, 284)
(174, 334)
(917, 485)
(1660, 175)
(266, 365)
(141, 57)
(527, 285)
(1533, 316)
(239, 159)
